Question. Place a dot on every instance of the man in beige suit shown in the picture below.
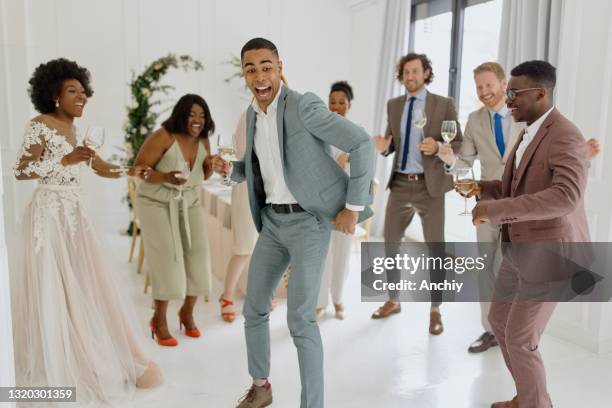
(540, 199)
(418, 181)
(490, 134)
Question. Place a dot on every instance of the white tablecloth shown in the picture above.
(216, 201)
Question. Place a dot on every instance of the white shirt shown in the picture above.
(528, 136)
(268, 151)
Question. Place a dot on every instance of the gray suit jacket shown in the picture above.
(306, 129)
(479, 142)
(437, 108)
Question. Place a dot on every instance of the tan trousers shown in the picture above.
(406, 199)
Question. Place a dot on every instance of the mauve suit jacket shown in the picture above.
(437, 109)
(543, 200)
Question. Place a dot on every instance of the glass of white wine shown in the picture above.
(94, 139)
(184, 167)
(449, 130)
(225, 148)
(465, 183)
(419, 118)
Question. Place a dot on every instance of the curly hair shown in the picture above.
(342, 86)
(47, 80)
(425, 61)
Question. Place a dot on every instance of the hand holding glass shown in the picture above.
(225, 148)
(184, 168)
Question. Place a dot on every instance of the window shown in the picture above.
(481, 31)
(432, 37)
(457, 35)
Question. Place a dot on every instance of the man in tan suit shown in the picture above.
(418, 181)
(490, 134)
(540, 199)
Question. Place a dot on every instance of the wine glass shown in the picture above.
(449, 130)
(419, 118)
(225, 148)
(94, 139)
(184, 167)
(465, 183)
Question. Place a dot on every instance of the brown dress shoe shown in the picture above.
(256, 397)
(435, 323)
(506, 404)
(484, 342)
(387, 310)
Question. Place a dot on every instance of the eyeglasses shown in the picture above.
(511, 94)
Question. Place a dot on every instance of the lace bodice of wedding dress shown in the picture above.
(41, 154)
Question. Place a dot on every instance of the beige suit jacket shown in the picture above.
(479, 143)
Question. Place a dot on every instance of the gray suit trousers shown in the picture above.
(298, 239)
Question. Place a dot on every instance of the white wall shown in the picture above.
(584, 94)
(124, 35)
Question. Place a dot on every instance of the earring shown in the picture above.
(57, 103)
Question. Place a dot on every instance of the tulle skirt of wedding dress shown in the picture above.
(71, 325)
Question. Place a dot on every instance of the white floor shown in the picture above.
(387, 364)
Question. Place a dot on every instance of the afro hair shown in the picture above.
(48, 78)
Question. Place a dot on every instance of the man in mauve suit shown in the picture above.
(418, 180)
(539, 200)
(490, 134)
(297, 194)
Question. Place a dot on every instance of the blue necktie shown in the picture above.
(499, 135)
(407, 136)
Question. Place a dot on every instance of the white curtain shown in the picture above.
(394, 45)
(530, 30)
(7, 372)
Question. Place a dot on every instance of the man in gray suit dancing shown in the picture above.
(297, 194)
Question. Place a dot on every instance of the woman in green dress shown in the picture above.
(171, 218)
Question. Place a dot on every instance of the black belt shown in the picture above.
(413, 177)
(286, 208)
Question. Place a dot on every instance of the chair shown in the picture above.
(136, 231)
(362, 233)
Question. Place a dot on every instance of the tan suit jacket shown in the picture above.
(479, 142)
(437, 109)
(544, 198)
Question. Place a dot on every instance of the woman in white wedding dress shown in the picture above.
(70, 322)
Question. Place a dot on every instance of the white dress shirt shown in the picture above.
(528, 136)
(268, 151)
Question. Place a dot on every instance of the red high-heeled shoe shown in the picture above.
(195, 332)
(169, 342)
(227, 316)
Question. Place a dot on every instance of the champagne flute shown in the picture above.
(449, 130)
(94, 139)
(465, 183)
(225, 148)
(184, 167)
